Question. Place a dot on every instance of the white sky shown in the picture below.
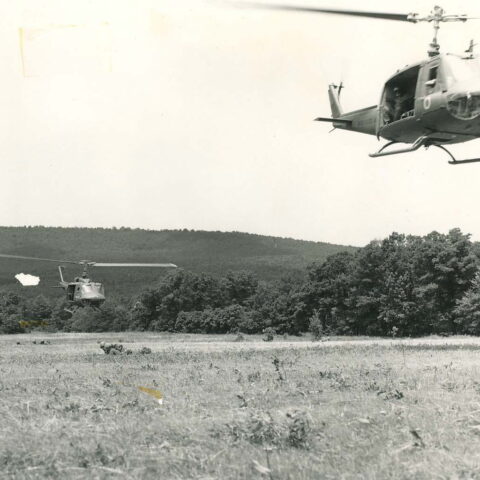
(193, 114)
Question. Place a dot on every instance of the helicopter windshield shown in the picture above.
(462, 69)
(92, 290)
(463, 103)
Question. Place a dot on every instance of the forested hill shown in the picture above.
(200, 251)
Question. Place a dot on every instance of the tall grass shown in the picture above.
(242, 410)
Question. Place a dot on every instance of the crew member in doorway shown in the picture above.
(399, 103)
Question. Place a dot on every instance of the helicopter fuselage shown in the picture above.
(83, 290)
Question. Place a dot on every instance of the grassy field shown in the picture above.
(289, 409)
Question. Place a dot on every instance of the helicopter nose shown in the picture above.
(464, 105)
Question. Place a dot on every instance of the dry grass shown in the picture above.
(289, 409)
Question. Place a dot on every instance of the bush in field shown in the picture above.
(261, 428)
(269, 334)
(315, 326)
(298, 428)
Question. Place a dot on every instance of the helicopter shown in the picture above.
(82, 290)
(434, 102)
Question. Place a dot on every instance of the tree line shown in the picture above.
(403, 285)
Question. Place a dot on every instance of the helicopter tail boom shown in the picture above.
(363, 120)
(62, 282)
(60, 271)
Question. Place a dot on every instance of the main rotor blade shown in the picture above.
(21, 257)
(356, 13)
(159, 265)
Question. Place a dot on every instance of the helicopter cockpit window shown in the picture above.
(463, 104)
(432, 78)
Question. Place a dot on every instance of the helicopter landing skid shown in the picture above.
(421, 141)
(453, 160)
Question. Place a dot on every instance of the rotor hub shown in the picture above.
(436, 16)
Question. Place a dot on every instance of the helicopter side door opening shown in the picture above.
(71, 292)
(398, 99)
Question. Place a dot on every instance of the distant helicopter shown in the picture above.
(435, 102)
(84, 291)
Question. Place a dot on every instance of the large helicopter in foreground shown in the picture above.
(435, 102)
(83, 290)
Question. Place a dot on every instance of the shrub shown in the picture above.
(268, 334)
(298, 429)
(315, 326)
(261, 428)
